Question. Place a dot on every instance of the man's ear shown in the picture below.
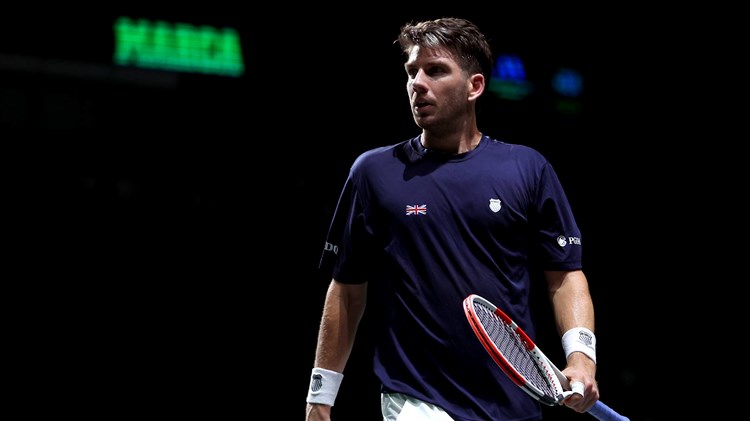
(476, 85)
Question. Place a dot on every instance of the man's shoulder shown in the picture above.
(379, 153)
(517, 150)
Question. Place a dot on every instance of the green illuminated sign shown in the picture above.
(178, 47)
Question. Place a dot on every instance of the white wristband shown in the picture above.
(324, 386)
(579, 339)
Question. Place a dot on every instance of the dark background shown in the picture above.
(166, 227)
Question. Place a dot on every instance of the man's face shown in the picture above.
(437, 87)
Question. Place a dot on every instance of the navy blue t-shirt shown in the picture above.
(427, 229)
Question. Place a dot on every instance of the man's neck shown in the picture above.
(454, 143)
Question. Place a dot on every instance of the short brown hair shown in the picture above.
(460, 37)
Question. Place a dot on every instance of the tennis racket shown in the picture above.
(521, 359)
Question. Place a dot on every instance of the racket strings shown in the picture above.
(513, 348)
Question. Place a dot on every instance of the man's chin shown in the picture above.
(422, 121)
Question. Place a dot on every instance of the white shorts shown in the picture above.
(400, 407)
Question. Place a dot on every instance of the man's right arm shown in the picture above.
(342, 312)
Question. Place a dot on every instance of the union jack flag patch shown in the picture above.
(416, 209)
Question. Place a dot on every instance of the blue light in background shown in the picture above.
(568, 83)
(508, 79)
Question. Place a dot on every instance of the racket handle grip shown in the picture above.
(602, 412)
